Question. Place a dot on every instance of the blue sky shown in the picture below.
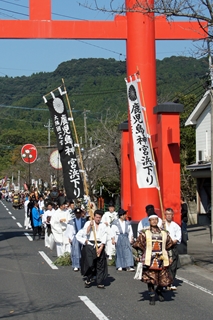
(24, 57)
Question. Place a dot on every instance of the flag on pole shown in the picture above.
(72, 178)
(145, 165)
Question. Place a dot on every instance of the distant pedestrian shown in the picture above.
(46, 220)
(30, 206)
(27, 223)
(37, 220)
(184, 217)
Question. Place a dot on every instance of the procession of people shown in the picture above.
(93, 237)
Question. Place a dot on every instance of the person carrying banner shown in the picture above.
(59, 223)
(108, 218)
(144, 223)
(73, 227)
(93, 257)
(155, 245)
(122, 237)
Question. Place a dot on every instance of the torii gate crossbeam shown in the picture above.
(140, 32)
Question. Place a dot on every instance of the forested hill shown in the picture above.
(94, 85)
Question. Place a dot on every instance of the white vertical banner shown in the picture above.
(145, 170)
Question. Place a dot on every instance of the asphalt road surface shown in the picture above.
(31, 288)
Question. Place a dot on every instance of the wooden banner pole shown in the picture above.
(82, 166)
(151, 147)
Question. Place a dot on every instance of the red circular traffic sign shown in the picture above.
(29, 153)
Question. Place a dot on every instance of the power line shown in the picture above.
(93, 45)
(23, 14)
(28, 108)
(7, 119)
(60, 15)
(15, 4)
(24, 108)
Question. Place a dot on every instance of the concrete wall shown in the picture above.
(192, 213)
(194, 217)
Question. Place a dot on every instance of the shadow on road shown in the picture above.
(5, 235)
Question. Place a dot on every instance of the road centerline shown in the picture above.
(97, 312)
(195, 285)
(47, 259)
(19, 224)
(28, 236)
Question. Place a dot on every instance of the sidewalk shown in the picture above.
(199, 248)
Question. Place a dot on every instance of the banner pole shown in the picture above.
(77, 141)
(50, 92)
(151, 147)
(81, 162)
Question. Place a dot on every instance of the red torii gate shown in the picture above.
(140, 32)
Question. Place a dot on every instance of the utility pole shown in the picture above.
(85, 126)
(211, 96)
(48, 126)
(19, 180)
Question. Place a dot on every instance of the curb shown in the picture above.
(185, 259)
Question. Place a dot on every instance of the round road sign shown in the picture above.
(29, 153)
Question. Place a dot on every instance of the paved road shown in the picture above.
(31, 289)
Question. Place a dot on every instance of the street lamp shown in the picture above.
(27, 155)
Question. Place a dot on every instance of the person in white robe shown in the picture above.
(41, 203)
(59, 223)
(93, 237)
(73, 227)
(107, 219)
(27, 223)
(175, 233)
(144, 223)
(46, 220)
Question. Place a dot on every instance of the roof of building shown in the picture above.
(202, 165)
(192, 119)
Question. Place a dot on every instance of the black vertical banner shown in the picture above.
(72, 179)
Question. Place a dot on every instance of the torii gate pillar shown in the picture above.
(141, 56)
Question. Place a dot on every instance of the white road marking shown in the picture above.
(93, 308)
(195, 285)
(9, 212)
(7, 209)
(28, 236)
(19, 224)
(13, 218)
(47, 259)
